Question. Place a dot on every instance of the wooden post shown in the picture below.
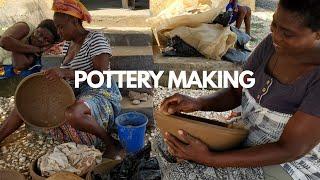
(125, 4)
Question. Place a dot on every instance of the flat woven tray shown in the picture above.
(42, 103)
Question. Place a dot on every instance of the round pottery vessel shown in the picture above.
(10, 174)
(103, 168)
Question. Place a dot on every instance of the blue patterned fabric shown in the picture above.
(8, 71)
(104, 104)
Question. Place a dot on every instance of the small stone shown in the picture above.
(40, 142)
(22, 159)
(2, 162)
(136, 102)
(4, 149)
(31, 145)
(144, 99)
(134, 95)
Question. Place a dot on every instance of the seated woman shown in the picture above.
(95, 109)
(281, 111)
(21, 43)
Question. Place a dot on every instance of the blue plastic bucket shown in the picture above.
(131, 130)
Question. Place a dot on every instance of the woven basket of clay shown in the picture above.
(42, 103)
(217, 135)
(10, 174)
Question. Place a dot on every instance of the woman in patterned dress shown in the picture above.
(88, 120)
(281, 111)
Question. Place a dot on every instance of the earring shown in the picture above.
(318, 36)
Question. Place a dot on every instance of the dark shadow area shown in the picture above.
(114, 4)
(8, 86)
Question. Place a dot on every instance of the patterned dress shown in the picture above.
(266, 109)
(103, 102)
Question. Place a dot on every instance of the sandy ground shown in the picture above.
(261, 21)
(24, 146)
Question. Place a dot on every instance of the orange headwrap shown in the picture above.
(73, 8)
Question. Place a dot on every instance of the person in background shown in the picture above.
(281, 111)
(90, 118)
(21, 44)
(240, 14)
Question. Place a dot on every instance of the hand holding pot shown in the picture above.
(194, 150)
(180, 103)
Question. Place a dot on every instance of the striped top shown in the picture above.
(94, 45)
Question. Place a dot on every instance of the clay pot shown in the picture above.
(103, 168)
(42, 103)
(64, 176)
(11, 174)
(217, 135)
(35, 172)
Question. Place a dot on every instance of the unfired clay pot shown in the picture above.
(10, 174)
(64, 176)
(103, 168)
(218, 136)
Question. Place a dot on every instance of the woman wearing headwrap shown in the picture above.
(95, 109)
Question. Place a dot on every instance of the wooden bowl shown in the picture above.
(217, 135)
(10, 174)
(42, 103)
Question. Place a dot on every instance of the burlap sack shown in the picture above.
(176, 13)
(211, 40)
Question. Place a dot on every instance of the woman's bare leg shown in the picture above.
(10, 125)
(242, 11)
(247, 20)
(79, 117)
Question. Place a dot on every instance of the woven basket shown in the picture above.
(42, 103)
(10, 174)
